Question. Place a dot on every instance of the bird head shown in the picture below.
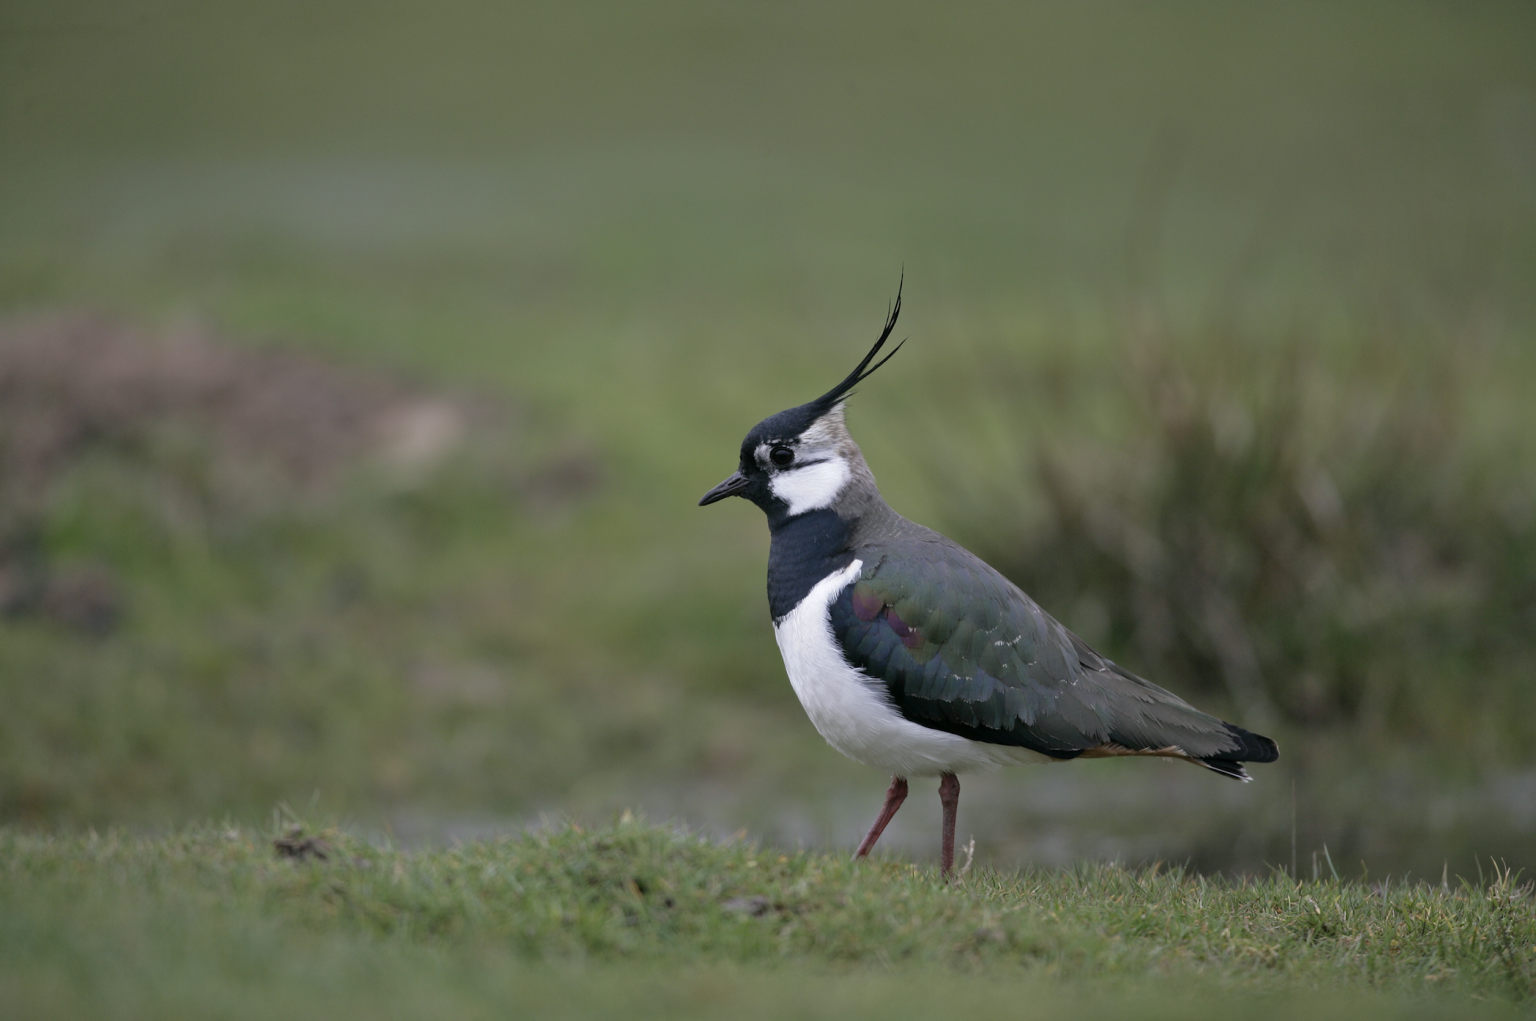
(803, 459)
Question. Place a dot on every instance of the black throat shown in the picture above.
(804, 549)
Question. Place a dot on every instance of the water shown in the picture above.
(1355, 821)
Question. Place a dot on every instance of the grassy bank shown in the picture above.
(571, 921)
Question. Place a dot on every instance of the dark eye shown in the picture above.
(781, 456)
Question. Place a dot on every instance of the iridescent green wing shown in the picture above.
(961, 649)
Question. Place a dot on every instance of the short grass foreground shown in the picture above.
(660, 921)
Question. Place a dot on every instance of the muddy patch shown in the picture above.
(70, 383)
(214, 430)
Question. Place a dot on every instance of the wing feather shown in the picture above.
(961, 649)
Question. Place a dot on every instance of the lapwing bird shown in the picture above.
(913, 656)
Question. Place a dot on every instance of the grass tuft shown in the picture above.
(632, 893)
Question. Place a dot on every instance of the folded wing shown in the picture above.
(961, 649)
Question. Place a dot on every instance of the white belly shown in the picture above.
(852, 710)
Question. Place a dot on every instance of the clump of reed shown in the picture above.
(1314, 533)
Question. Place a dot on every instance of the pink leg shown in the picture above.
(893, 799)
(949, 797)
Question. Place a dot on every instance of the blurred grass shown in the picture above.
(643, 231)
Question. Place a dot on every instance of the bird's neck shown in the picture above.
(808, 547)
(803, 550)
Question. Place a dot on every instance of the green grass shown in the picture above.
(565, 921)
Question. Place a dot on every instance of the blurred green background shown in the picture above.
(361, 365)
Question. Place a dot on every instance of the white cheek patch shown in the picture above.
(813, 487)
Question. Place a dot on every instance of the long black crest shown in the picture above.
(859, 373)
